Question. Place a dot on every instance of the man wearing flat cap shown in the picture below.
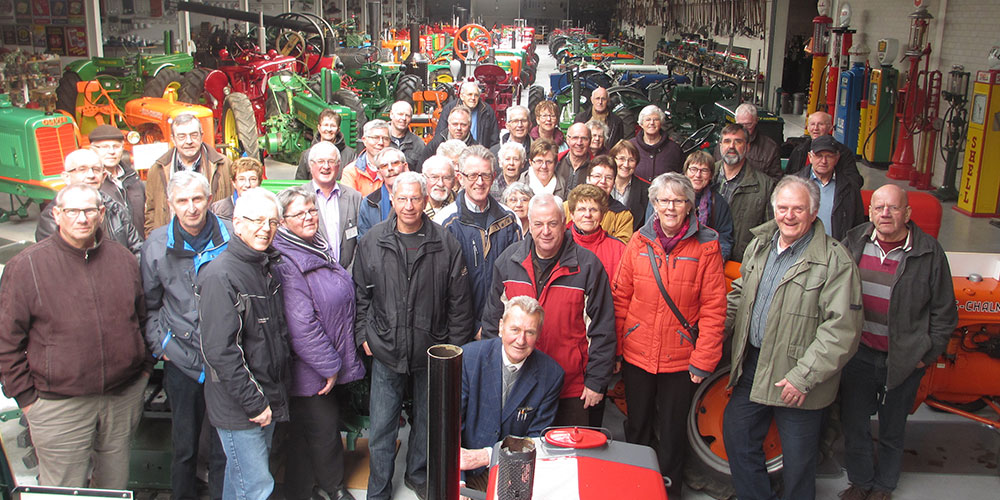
(840, 205)
(121, 183)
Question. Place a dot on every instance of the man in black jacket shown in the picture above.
(819, 124)
(121, 183)
(412, 292)
(244, 340)
(840, 205)
(485, 129)
(400, 115)
(600, 111)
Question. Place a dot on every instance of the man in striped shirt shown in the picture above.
(909, 307)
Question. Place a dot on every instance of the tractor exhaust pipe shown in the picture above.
(417, 62)
(444, 392)
(374, 27)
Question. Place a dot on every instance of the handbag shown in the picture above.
(692, 330)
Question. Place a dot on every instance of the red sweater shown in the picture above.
(608, 249)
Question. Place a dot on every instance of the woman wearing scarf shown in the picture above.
(587, 206)
(710, 206)
(319, 307)
(664, 359)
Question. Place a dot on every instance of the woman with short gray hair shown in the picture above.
(511, 161)
(657, 153)
(516, 197)
(598, 137)
(319, 309)
(671, 261)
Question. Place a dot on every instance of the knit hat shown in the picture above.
(106, 133)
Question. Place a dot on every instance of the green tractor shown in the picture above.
(293, 106)
(381, 84)
(135, 75)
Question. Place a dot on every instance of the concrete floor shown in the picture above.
(946, 456)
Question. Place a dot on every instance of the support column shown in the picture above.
(774, 59)
(95, 34)
(653, 35)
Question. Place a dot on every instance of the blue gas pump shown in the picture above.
(850, 92)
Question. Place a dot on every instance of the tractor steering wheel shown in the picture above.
(695, 140)
(302, 44)
(471, 35)
(721, 86)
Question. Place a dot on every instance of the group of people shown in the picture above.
(555, 267)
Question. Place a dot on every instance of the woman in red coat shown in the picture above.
(587, 206)
(662, 360)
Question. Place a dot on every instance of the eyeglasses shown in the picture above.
(699, 171)
(826, 157)
(892, 208)
(194, 136)
(434, 179)
(518, 120)
(545, 116)
(332, 163)
(401, 201)
(261, 222)
(486, 177)
(666, 202)
(608, 178)
(83, 170)
(651, 119)
(312, 213)
(381, 138)
(74, 213)
(624, 159)
(112, 146)
(540, 162)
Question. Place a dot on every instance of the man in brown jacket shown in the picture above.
(71, 353)
(189, 153)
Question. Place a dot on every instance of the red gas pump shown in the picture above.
(843, 39)
(918, 103)
(820, 50)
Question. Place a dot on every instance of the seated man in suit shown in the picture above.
(508, 388)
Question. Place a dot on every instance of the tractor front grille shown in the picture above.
(54, 143)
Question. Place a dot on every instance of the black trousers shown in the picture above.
(658, 405)
(315, 454)
(187, 407)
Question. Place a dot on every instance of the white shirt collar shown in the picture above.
(507, 363)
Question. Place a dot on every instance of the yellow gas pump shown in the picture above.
(820, 51)
(980, 181)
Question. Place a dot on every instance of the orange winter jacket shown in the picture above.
(648, 332)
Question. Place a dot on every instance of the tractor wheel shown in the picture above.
(351, 100)
(239, 127)
(406, 86)
(166, 79)
(66, 92)
(707, 467)
(630, 122)
(193, 88)
(536, 94)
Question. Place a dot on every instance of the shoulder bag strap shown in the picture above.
(666, 296)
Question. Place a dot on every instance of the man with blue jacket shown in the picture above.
(483, 226)
(171, 257)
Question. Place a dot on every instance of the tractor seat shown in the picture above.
(490, 74)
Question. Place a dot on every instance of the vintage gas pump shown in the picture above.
(849, 94)
(911, 108)
(980, 184)
(820, 51)
(956, 117)
(878, 130)
(843, 38)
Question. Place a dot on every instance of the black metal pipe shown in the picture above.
(374, 27)
(444, 392)
(249, 17)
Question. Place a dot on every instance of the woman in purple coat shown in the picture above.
(319, 308)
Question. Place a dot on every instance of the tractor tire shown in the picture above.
(66, 92)
(351, 100)
(706, 469)
(158, 85)
(630, 122)
(193, 88)
(536, 94)
(239, 127)
(406, 86)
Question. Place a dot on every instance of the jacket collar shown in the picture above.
(84, 253)
(208, 154)
(306, 256)
(648, 230)
(220, 235)
(651, 148)
(243, 252)
(588, 240)
(813, 253)
(920, 242)
(465, 215)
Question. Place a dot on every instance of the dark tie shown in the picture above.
(509, 376)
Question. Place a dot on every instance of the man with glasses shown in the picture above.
(377, 206)
(412, 290)
(574, 163)
(338, 203)
(484, 128)
(518, 126)
(747, 190)
(362, 174)
(458, 126)
(71, 348)
(244, 342)
(122, 183)
(84, 167)
(600, 111)
(440, 175)
(909, 316)
(840, 204)
(171, 258)
(483, 226)
(189, 153)
(400, 135)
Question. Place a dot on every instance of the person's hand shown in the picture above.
(696, 378)
(618, 366)
(264, 419)
(921, 364)
(368, 351)
(165, 358)
(329, 385)
(26, 409)
(789, 394)
(479, 334)
(590, 398)
(473, 459)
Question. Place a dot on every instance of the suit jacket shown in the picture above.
(348, 202)
(535, 395)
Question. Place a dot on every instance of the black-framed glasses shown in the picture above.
(312, 213)
(261, 222)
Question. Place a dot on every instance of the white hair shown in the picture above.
(80, 157)
(411, 178)
(253, 200)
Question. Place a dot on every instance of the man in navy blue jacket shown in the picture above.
(508, 388)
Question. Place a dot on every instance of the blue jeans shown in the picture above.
(248, 474)
(388, 389)
(745, 425)
(861, 388)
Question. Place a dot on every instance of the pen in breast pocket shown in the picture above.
(522, 413)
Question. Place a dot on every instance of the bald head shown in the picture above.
(890, 212)
(820, 123)
(578, 139)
